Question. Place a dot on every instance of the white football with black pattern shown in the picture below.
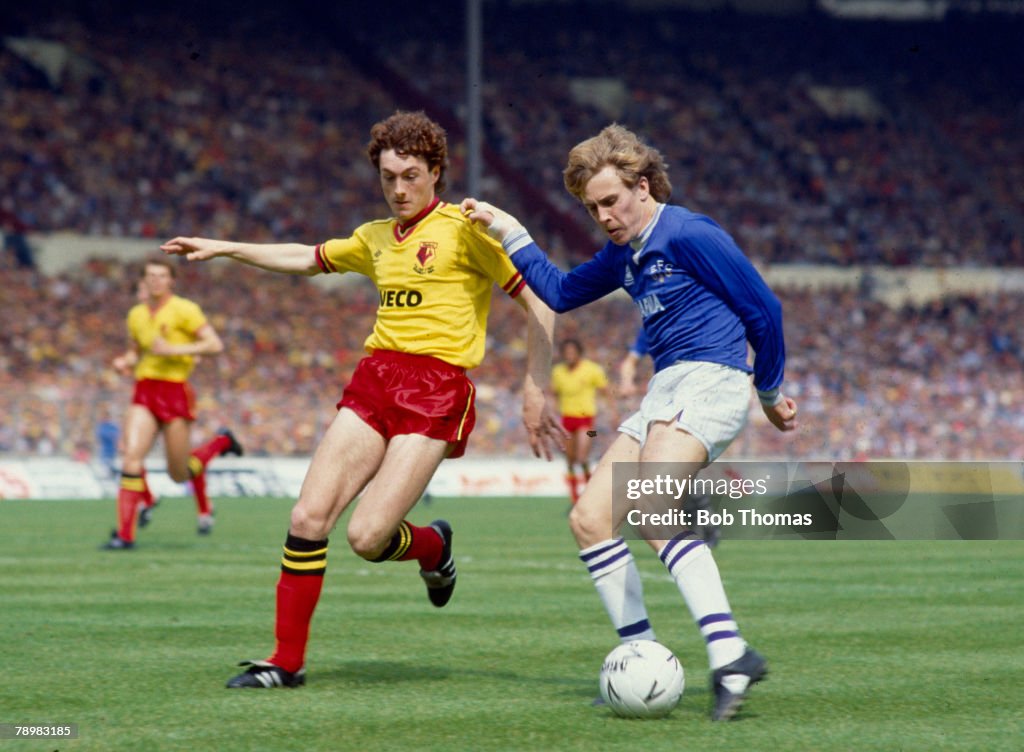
(642, 679)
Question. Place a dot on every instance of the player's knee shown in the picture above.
(587, 527)
(366, 541)
(577, 522)
(307, 524)
(179, 474)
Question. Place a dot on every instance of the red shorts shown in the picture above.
(167, 400)
(573, 424)
(399, 393)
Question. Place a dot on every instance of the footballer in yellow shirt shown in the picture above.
(166, 333)
(434, 278)
(409, 403)
(576, 381)
(176, 321)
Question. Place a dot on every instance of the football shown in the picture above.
(642, 679)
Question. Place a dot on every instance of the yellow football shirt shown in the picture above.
(434, 276)
(177, 321)
(577, 387)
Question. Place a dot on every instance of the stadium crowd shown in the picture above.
(892, 175)
(207, 137)
(946, 378)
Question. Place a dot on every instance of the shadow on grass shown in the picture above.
(391, 672)
(143, 547)
(380, 672)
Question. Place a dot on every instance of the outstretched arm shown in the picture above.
(288, 258)
(542, 425)
(560, 291)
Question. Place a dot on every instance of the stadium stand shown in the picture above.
(854, 148)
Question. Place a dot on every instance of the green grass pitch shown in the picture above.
(872, 645)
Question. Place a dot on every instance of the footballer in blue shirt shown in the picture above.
(701, 302)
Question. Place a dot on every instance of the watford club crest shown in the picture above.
(425, 258)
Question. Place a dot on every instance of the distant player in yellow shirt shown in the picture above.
(167, 333)
(409, 403)
(576, 381)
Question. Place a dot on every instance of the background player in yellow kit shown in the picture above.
(409, 403)
(576, 381)
(167, 332)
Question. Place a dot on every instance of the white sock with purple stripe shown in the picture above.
(691, 564)
(617, 580)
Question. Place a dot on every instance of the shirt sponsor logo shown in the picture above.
(649, 304)
(400, 298)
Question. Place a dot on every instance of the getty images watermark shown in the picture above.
(822, 500)
(665, 488)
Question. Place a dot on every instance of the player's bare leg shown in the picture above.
(584, 442)
(595, 517)
(177, 445)
(140, 431)
(348, 456)
(577, 453)
(571, 458)
(409, 463)
(735, 667)
(185, 463)
(378, 530)
(668, 444)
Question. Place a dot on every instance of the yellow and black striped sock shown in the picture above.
(298, 590)
(132, 493)
(399, 544)
(133, 482)
(424, 544)
(197, 471)
(304, 557)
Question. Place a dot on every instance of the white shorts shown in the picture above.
(707, 400)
